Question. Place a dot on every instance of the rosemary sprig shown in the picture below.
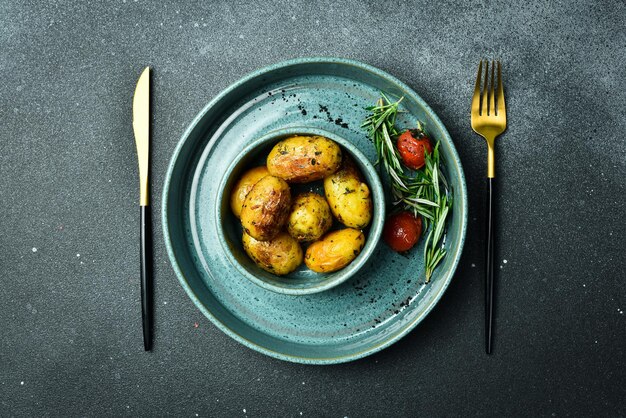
(425, 192)
(380, 125)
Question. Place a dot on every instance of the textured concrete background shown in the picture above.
(70, 333)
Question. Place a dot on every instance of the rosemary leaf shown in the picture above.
(425, 192)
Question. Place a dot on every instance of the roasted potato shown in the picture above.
(280, 255)
(348, 196)
(266, 208)
(310, 217)
(301, 159)
(335, 250)
(243, 187)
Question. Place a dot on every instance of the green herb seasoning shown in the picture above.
(425, 191)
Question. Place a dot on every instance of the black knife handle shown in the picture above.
(146, 276)
(490, 267)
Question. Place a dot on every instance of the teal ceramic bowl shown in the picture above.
(302, 281)
(379, 304)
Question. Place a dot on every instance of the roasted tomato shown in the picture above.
(412, 145)
(402, 231)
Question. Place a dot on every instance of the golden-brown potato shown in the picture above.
(301, 159)
(310, 217)
(348, 196)
(243, 187)
(266, 208)
(335, 250)
(280, 255)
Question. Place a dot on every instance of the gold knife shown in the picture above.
(141, 127)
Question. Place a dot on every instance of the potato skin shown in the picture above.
(348, 196)
(266, 208)
(243, 187)
(301, 159)
(281, 255)
(310, 217)
(335, 250)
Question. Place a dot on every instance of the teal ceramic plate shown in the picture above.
(386, 298)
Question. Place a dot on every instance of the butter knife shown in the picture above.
(141, 128)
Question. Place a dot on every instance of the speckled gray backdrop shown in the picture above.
(70, 336)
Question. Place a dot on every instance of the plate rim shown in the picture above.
(408, 91)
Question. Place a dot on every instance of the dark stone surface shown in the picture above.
(70, 336)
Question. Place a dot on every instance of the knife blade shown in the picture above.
(141, 128)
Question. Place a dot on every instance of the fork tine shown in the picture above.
(484, 110)
(501, 110)
(492, 92)
(476, 96)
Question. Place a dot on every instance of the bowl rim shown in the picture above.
(375, 227)
(321, 360)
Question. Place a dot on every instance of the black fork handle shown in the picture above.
(146, 276)
(490, 267)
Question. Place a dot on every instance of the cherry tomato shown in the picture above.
(402, 231)
(412, 145)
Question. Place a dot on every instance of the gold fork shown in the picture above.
(489, 121)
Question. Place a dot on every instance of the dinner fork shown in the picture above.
(489, 121)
